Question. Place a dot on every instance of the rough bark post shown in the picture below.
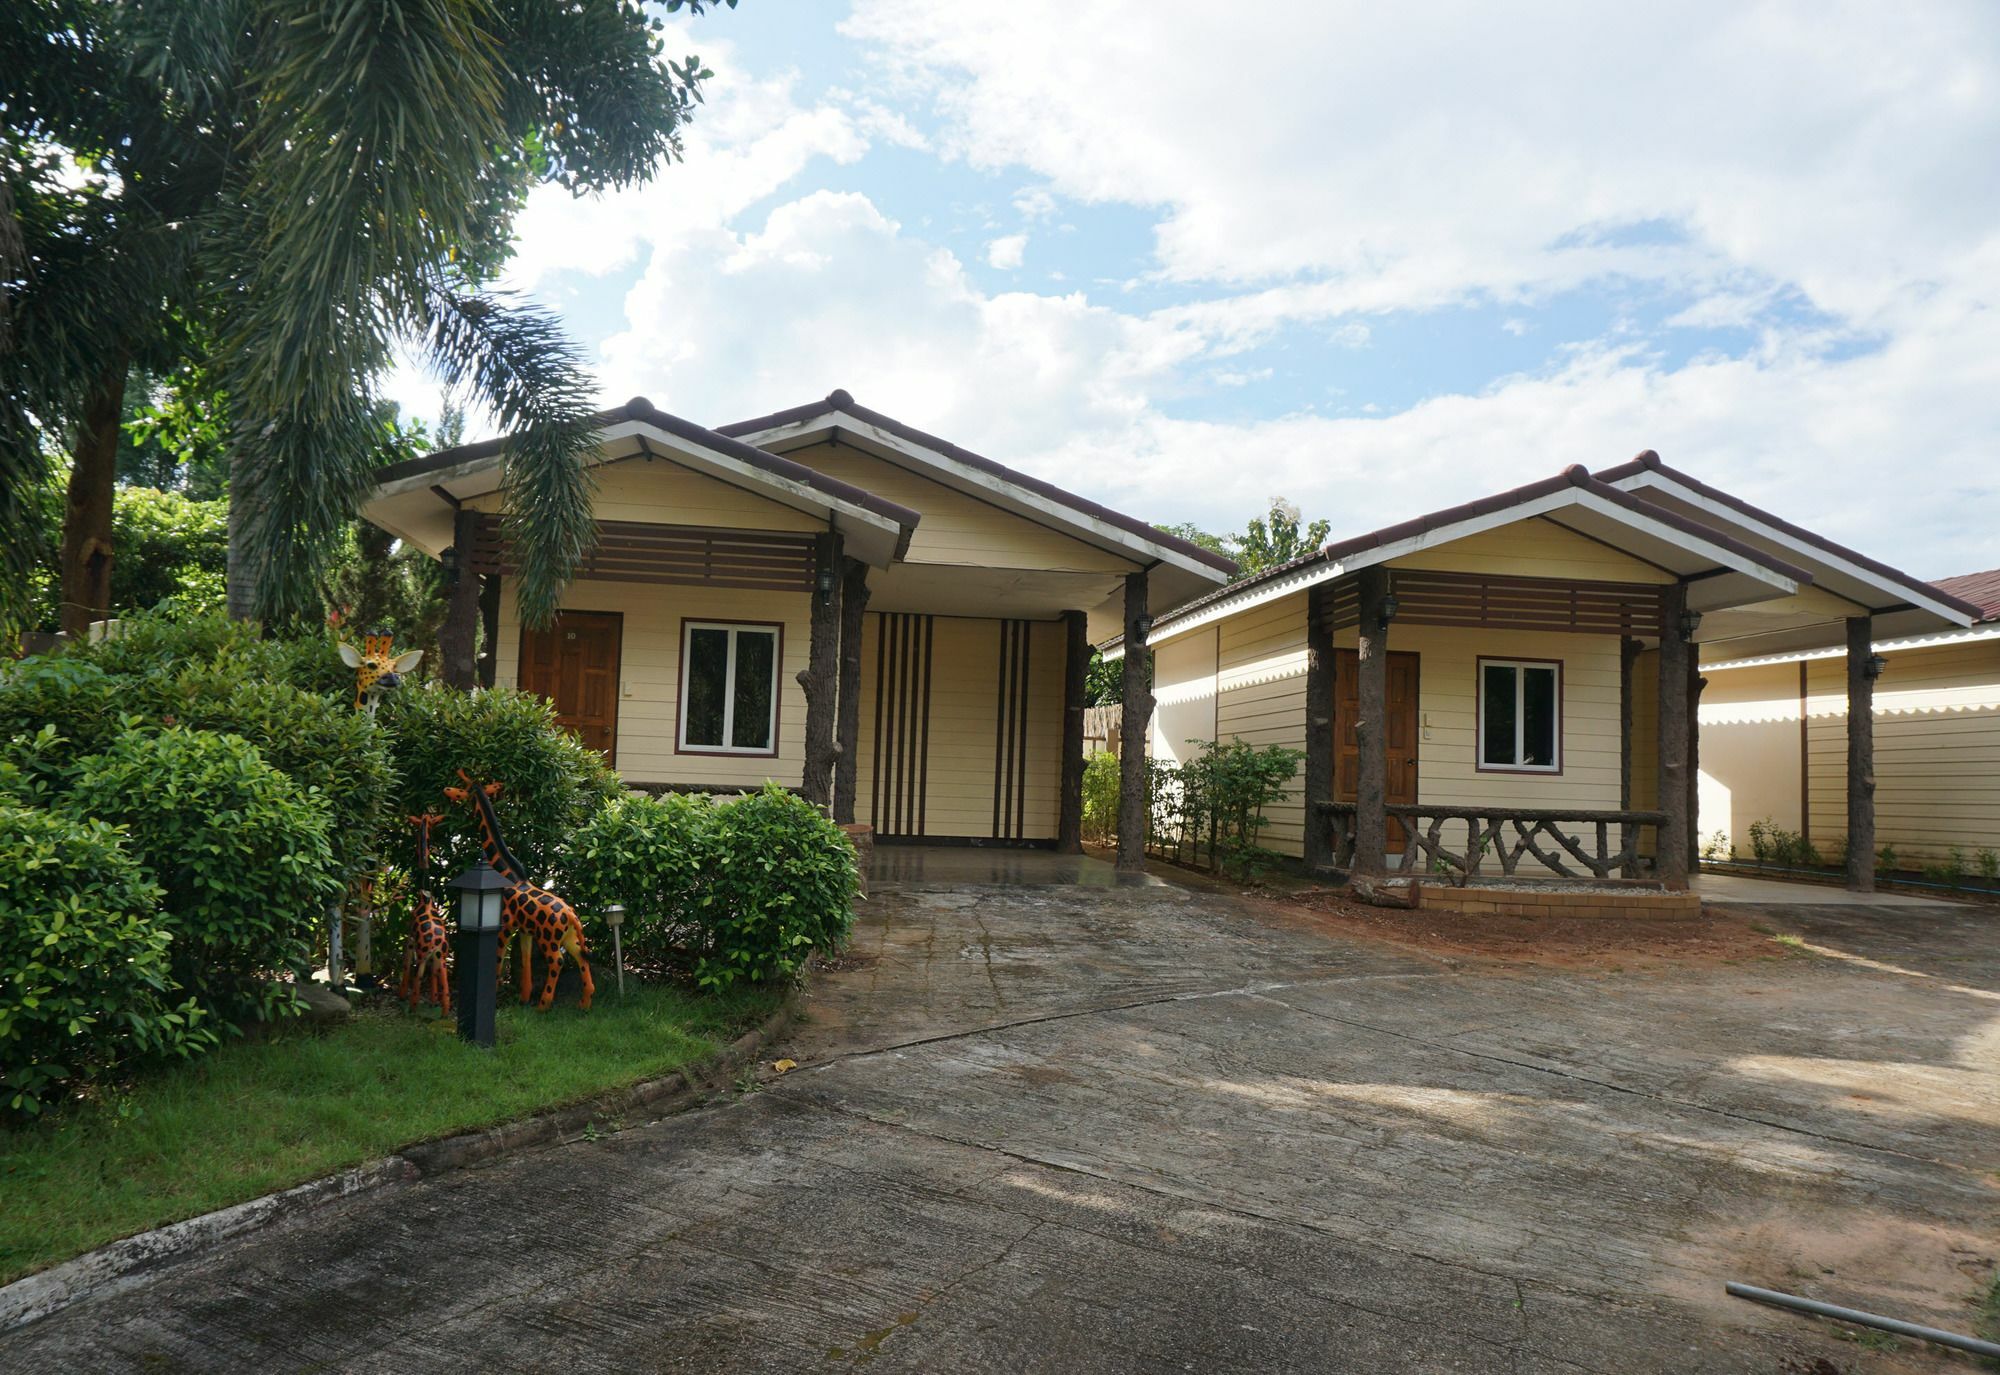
(458, 636)
(1671, 852)
(1371, 823)
(240, 580)
(489, 628)
(1695, 684)
(853, 603)
(1076, 669)
(1317, 784)
(821, 676)
(1860, 756)
(1628, 659)
(1138, 711)
(87, 514)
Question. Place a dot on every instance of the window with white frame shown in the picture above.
(729, 688)
(1520, 715)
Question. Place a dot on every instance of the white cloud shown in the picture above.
(1007, 251)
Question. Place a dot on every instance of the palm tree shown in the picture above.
(298, 186)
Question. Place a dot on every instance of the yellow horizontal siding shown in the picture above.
(650, 670)
(959, 529)
(1260, 698)
(1534, 549)
(662, 492)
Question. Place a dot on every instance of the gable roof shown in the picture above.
(1572, 498)
(1866, 582)
(1975, 589)
(839, 416)
(409, 496)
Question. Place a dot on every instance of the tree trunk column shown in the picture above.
(1860, 755)
(1628, 659)
(853, 603)
(1076, 670)
(90, 509)
(458, 636)
(1132, 730)
(1318, 781)
(1671, 851)
(489, 629)
(1695, 684)
(1371, 821)
(821, 676)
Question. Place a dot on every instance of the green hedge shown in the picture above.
(736, 891)
(84, 977)
(240, 851)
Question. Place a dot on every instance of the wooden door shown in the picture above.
(574, 663)
(1401, 781)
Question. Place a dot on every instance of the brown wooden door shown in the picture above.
(574, 663)
(1401, 784)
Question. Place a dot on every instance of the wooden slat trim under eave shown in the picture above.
(678, 555)
(1503, 602)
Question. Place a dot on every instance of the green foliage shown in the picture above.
(1212, 807)
(737, 891)
(84, 981)
(240, 850)
(1951, 872)
(54, 709)
(169, 641)
(1275, 538)
(650, 854)
(1772, 844)
(1885, 859)
(1989, 866)
(781, 884)
(169, 549)
(1718, 846)
(1100, 797)
(550, 783)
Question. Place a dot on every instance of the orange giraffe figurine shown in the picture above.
(424, 971)
(539, 914)
(378, 668)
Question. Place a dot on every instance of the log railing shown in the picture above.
(1505, 835)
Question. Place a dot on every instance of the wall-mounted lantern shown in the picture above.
(1875, 666)
(1390, 606)
(1690, 623)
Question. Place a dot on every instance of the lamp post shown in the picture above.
(614, 917)
(477, 949)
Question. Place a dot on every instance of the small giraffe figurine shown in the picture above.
(424, 971)
(542, 917)
(378, 668)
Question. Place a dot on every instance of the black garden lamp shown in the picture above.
(477, 947)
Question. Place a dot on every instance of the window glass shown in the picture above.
(1497, 740)
(756, 653)
(707, 685)
(1538, 717)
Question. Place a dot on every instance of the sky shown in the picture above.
(1376, 259)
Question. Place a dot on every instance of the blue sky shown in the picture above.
(1184, 260)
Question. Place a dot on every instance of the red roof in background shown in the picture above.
(1981, 589)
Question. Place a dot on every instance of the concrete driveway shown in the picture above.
(1047, 1122)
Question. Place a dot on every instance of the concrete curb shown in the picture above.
(129, 1262)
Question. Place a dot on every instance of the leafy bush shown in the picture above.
(170, 550)
(1771, 843)
(84, 979)
(552, 783)
(1885, 860)
(1718, 846)
(53, 711)
(1989, 866)
(154, 642)
(780, 884)
(1100, 798)
(1212, 806)
(240, 850)
(650, 854)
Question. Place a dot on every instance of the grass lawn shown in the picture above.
(256, 1117)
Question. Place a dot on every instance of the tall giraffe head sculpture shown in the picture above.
(378, 668)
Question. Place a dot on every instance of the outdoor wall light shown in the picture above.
(1143, 626)
(824, 582)
(1390, 606)
(1875, 666)
(448, 561)
(1690, 622)
(480, 892)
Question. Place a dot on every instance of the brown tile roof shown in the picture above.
(1650, 460)
(1980, 589)
(639, 408)
(842, 401)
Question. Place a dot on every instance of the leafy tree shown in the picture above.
(307, 184)
(1275, 539)
(1194, 534)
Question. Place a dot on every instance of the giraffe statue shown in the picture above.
(545, 921)
(378, 668)
(424, 971)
